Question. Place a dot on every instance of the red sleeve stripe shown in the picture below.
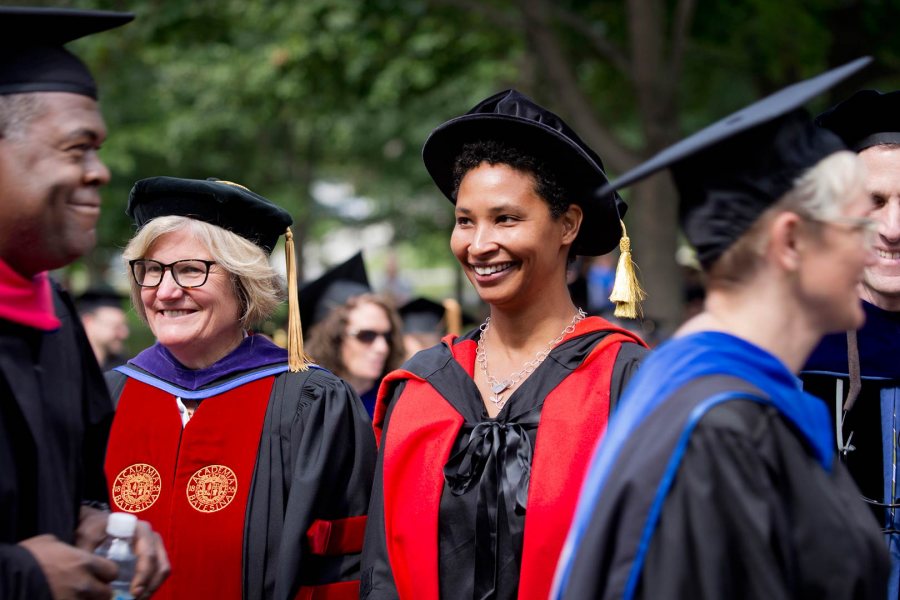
(342, 590)
(341, 536)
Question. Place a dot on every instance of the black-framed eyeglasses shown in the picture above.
(368, 336)
(188, 273)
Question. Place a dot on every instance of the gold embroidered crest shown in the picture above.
(212, 488)
(136, 488)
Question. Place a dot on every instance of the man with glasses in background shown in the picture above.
(858, 372)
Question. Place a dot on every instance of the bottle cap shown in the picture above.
(121, 524)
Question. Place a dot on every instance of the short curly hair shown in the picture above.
(496, 152)
(258, 287)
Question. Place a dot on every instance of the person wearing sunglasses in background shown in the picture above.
(254, 465)
(858, 372)
(353, 332)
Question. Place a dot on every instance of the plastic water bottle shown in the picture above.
(119, 548)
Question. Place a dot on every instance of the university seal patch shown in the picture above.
(212, 488)
(136, 488)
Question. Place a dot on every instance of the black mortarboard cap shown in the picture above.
(867, 118)
(332, 289)
(513, 118)
(97, 297)
(32, 57)
(729, 173)
(229, 205)
(422, 315)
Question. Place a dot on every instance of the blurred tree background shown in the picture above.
(285, 96)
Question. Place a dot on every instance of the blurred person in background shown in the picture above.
(483, 437)
(425, 322)
(105, 324)
(54, 408)
(857, 372)
(254, 465)
(354, 333)
(718, 477)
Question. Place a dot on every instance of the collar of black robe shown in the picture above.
(879, 346)
(255, 357)
(32, 57)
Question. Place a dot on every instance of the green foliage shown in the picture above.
(277, 95)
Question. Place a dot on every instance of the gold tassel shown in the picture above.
(297, 360)
(452, 316)
(626, 292)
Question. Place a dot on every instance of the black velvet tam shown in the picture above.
(32, 57)
(222, 203)
(332, 289)
(98, 297)
(515, 119)
(729, 173)
(867, 118)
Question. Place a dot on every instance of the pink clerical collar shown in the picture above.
(26, 301)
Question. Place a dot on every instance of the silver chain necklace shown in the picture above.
(499, 386)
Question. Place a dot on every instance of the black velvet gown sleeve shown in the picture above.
(377, 581)
(316, 461)
(752, 515)
(54, 423)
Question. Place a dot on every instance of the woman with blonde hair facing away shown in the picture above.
(253, 464)
(484, 436)
(718, 477)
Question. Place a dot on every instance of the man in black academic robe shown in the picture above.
(54, 410)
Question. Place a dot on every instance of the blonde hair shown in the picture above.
(258, 287)
(820, 193)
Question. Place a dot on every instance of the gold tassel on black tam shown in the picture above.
(626, 292)
(297, 359)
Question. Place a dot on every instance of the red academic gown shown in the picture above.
(470, 507)
(262, 494)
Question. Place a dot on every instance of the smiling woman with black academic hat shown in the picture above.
(253, 464)
(483, 437)
(718, 477)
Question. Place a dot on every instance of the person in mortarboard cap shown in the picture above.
(56, 411)
(425, 322)
(105, 324)
(354, 332)
(483, 436)
(718, 477)
(254, 464)
(857, 372)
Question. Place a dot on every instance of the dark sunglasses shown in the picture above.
(368, 336)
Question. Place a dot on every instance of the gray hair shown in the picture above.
(820, 193)
(257, 286)
(17, 111)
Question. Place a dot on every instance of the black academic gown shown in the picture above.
(315, 461)
(868, 440)
(751, 514)
(465, 558)
(54, 420)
